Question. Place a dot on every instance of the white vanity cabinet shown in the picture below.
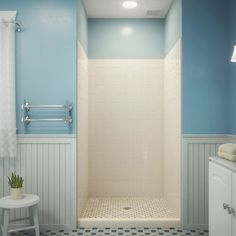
(222, 197)
(234, 203)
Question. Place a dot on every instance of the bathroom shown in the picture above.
(145, 90)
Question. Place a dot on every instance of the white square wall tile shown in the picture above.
(82, 141)
(127, 94)
(172, 129)
(131, 102)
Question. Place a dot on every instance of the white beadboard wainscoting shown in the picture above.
(196, 149)
(48, 165)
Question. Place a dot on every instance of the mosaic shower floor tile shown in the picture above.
(128, 208)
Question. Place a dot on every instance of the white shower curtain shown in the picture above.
(7, 85)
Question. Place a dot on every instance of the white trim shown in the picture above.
(6, 14)
(232, 138)
(205, 135)
(46, 136)
(203, 139)
(208, 136)
(45, 227)
(196, 227)
(128, 223)
(47, 139)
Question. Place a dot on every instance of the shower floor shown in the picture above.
(127, 212)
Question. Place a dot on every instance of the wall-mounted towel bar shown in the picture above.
(27, 106)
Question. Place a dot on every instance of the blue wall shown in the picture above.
(173, 25)
(45, 57)
(232, 75)
(82, 26)
(126, 39)
(205, 71)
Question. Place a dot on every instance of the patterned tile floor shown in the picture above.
(120, 232)
(147, 207)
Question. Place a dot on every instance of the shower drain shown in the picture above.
(127, 208)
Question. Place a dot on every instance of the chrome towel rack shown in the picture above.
(26, 119)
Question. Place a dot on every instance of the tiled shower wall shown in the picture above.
(125, 128)
(82, 141)
(172, 126)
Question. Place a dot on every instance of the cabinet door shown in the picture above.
(219, 194)
(234, 204)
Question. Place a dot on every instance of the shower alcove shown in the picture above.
(128, 132)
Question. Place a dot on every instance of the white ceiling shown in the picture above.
(114, 9)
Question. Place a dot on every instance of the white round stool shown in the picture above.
(28, 200)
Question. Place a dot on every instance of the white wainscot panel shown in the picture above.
(48, 165)
(196, 149)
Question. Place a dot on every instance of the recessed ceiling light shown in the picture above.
(129, 4)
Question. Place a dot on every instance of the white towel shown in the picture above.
(227, 156)
(229, 148)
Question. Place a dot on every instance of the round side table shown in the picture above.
(28, 201)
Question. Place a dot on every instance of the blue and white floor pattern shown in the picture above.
(119, 232)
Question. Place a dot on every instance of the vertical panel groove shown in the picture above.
(195, 160)
(46, 165)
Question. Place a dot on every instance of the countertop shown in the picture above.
(223, 162)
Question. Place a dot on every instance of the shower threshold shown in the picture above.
(128, 212)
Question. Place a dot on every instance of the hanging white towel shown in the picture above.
(7, 85)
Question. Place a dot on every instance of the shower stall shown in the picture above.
(129, 140)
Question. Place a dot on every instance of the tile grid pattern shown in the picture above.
(172, 130)
(125, 128)
(119, 231)
(82, 140)
(148, 207)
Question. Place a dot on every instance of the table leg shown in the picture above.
(35, 219)
(31, 216)
(1, 222)
(6, 215)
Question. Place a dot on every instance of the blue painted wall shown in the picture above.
(232, 68)
(173, 25)
(82, 26)
(126, 39)
(45, 57)
(205, 71)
